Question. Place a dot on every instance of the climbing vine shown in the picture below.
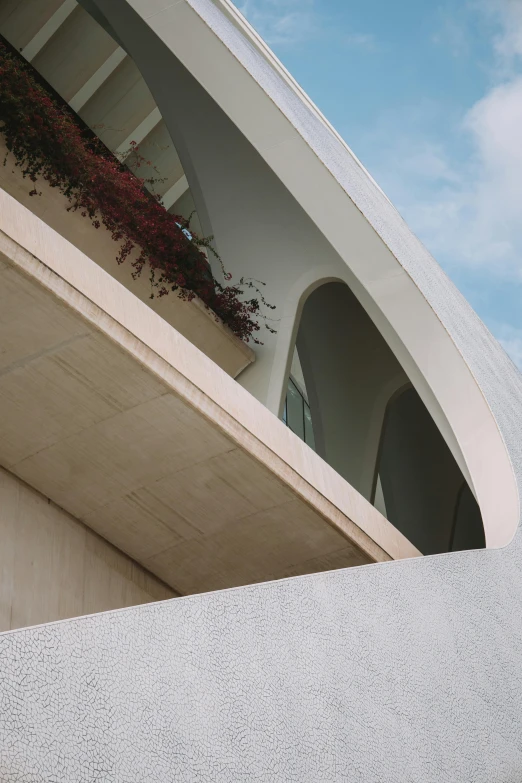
(48, 141)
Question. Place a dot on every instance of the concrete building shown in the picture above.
(355, 477)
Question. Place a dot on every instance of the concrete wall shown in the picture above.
(404, 672)
(408, 672)
(52, 567)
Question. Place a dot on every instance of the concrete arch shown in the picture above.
(364, 428)
(348, 368)
(236, 120)
(287, 329)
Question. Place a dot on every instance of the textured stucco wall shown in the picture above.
(397, 672)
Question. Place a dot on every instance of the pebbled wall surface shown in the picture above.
(397, 672)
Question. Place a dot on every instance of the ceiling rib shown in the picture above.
(175, 192)
(139, 133)
(45, 33)
(46, 36)
(97, 79)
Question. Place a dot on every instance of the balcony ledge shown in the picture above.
(117, 418)
(193, 319)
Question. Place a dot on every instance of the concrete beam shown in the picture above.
(139, 133)
(46, 32)
(175, 192)
(97, 79)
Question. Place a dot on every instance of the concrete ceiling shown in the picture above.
(113, 415)
(88, 68)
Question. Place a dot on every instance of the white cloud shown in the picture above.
(291, 22)
(510, 339)
(451, 33)
(460, 190)
(428, 161)
(476, 217)
(508, 43)
(281, 21)
(362, 40)
(467, 205)
(495, 123)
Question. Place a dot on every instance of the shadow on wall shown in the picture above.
(361, 413)
(423, 490)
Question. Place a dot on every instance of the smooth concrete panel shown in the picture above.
(53, 567)
(75, 52)
(21, 20)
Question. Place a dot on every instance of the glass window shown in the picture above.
(296, 414)
(294, 410)
(308, 429)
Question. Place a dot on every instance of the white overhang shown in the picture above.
(117, 418)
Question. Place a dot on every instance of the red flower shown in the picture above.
(47, 141)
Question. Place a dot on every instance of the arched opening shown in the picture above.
(370, 424)
(468, 530)
(421, 485)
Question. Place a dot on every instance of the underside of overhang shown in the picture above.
(109, 412)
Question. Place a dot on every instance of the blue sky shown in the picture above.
(429, 96)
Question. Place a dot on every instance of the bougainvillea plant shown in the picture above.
(48, 141)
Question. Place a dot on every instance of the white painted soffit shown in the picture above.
(60, 275)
